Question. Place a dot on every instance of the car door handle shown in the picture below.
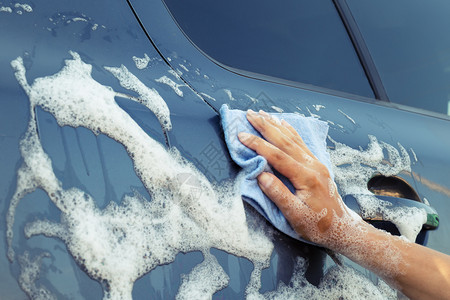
(432, 215)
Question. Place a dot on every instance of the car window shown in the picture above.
(410, 45)
(297, 40)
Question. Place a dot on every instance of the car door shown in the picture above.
(98, 165)
(87, 52)
(412, 138)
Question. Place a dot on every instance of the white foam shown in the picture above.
(25, 7)
(207, 96)
(414, 155)
(78, 19)
(147, 96)
(230, 96)
(29, 274)
(184, 67)
(174, 74)
(141, 63)
(337, 283)
(204, 280)
(254, 100)
(318, 107)
(347, 116)
(277, 109)
(353, 168)
(6, 9)
(123, 242)
(311, 114)
(172, 84)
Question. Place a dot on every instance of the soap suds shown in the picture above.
(63, 19)
(25, 7)
(78, 19)
(318, 107)
(30, 270)
(254, 100)
(230, 96)
(353, 168)
(121, 243)
(148, 97)
(311, 114)
(6, 9)
(174, 74)
(184, 67)
(205, 279)
(347, 116)
(277, 109)
(414, 155)
(337, 283)
(172, 84)
(207, 96)
(141, 63)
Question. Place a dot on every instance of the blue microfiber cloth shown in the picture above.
(313, 132)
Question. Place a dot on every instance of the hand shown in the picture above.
(317, 213)
(315, 210)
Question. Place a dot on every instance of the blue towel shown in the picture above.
(313, 132)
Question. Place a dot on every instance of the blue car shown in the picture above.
(115, 178)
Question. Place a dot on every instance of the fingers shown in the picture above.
(290, 205)
(283, 137)
(281, 161)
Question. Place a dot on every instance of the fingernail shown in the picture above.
(244, 136)
(265, 180)
(251, 112)
(264, 114)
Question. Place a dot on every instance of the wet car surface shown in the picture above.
(147, 56)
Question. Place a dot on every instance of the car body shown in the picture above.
(151, 88)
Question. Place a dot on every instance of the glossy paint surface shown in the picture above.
(107, 33)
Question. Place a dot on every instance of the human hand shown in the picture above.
(315, 210)
(317, 213)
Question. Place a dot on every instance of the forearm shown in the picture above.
(417, 271)
(317, 213)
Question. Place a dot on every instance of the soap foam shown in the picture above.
(141, 63)
(147, 97)
(27, 8)
(29, 274)
(337, 283)
(5, 9)
(204, 280)
(121, 243)
(353, 168)
(230, 96)
(172, 84)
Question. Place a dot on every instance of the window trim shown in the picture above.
(361, 50)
